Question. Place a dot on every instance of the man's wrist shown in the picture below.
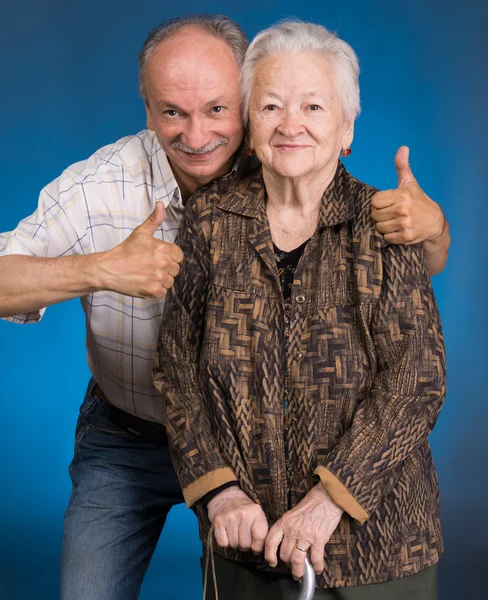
(98, 274)
(439, 229)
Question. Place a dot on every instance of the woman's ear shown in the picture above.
(348, 135)
(248, 141)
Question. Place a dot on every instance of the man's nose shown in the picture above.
(196, 133)
(291, 124)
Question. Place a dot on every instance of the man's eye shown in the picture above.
(170, 113)
(216, 109)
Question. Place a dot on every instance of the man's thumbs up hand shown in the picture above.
(406, 215)
(142, 266)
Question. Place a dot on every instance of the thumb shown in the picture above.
(154, 220)
(404, 173)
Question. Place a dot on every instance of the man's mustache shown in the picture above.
(207, 148)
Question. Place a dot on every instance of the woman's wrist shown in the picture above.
(205, 500)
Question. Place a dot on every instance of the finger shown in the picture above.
(288, 546)
(233, 534)
(297, 564)
(259, 531)
(317, 552)
(383, 199)
(154, 220)
(273, 540)
(173, 269)
(396, 210)
(406, 236)
(175, 252)
(390, 226)
(244, 535)
(404, 173)
(167, 282)
(220, 534)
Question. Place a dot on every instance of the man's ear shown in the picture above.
(149, 119)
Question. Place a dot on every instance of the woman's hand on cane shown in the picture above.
(306, 527)
(238, 521)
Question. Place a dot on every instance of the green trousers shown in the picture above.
(240, 581)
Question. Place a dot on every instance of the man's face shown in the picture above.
(193, 105)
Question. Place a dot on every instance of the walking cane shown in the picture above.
(307, 585)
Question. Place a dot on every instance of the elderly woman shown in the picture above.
(301, 356)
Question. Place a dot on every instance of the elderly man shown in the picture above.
(104, 231)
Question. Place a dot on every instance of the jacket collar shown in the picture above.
(248, 198)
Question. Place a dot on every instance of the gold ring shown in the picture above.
(301, 549)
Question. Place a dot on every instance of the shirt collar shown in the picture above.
(248, 197)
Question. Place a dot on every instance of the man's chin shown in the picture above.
(212, 166)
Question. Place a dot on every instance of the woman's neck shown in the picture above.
(293, 207)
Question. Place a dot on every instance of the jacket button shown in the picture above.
(298, 355)
(300, 299)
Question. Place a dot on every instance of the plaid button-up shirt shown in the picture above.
(93, 206)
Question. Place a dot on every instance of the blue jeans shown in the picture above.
(123, 489)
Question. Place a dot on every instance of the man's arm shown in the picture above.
(30, 283)
(406, 215)
(141, 266)
(436, 249)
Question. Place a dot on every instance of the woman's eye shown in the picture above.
(270, 107)
(314, 107)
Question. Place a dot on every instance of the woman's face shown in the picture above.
(296, 120)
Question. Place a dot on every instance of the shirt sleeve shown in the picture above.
(56, 228)
(407, 394)
(195, 452)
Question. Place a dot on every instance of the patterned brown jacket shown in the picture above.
(366, 370)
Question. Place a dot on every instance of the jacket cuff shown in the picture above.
(340, 495)
(207, 483)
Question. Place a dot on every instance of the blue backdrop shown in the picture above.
(69, 86)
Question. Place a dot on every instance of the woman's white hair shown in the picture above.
(296, 37)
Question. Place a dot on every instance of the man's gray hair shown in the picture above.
(296, 37)
(219, 26)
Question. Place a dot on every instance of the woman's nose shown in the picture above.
(292, 124)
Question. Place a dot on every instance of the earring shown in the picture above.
(346, 152)
(250, 151)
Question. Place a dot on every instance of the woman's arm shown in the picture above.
(198, 461)
(407, 394)
(239, 522)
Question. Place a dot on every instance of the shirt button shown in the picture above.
(300, 299)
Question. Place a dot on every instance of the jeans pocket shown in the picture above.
(112, 429)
